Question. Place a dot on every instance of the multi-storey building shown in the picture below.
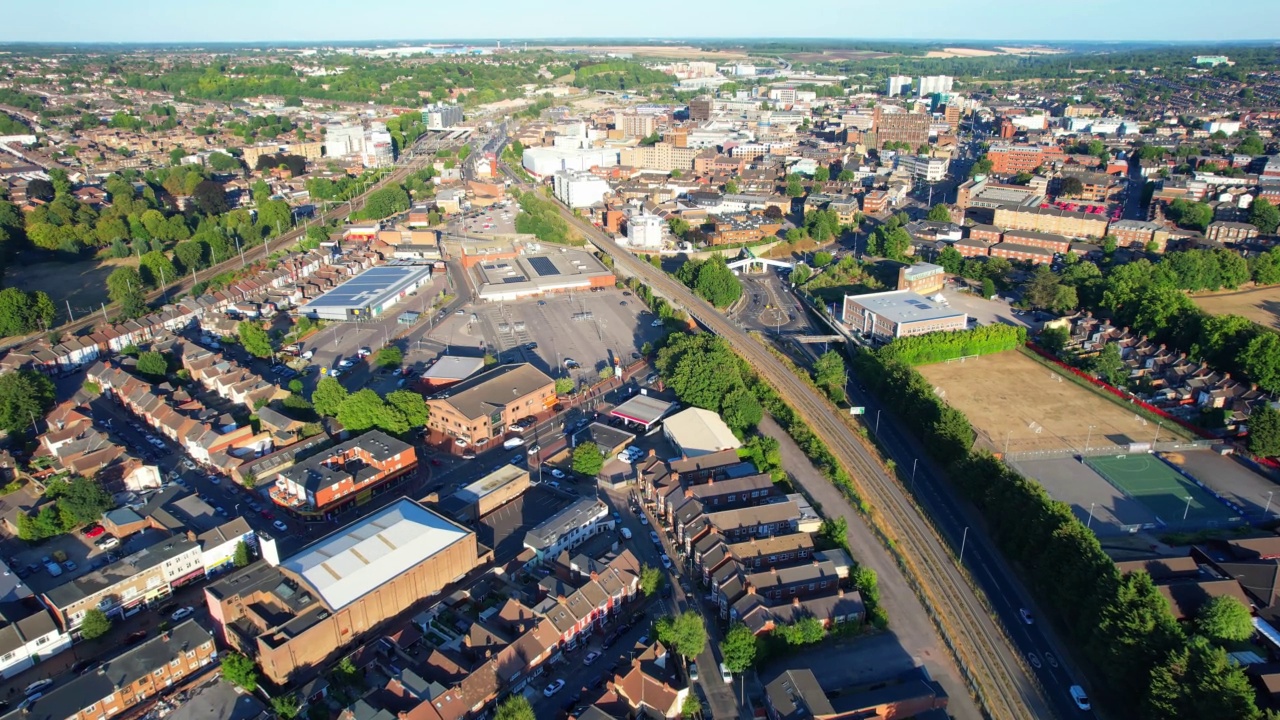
(898, 84)
(1013, 159)
(924, 278)
(28, 635)
(343, 474)
(1047, 241)
(901, 127)
(662, 156)
(130, 678)
(1051, 220)
(579, 189)
(884, 316)
(930, 84)
(479, 409)
(442, 115)
(1136, 234)
(645, 231)
(634, 124)
(924, 168)
(567, 529)
(740, 228)
(1018, 251)
(1230, 232)
(700, 108)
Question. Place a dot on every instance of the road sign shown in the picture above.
(859, 410)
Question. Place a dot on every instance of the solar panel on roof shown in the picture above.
(543, 266)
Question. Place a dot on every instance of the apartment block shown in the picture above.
(480, 408)
(911, 128)
(1136, 234)
(1047, 241)
(659, 156)
(1051, 220)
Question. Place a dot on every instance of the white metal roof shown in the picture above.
(353, 561)
(700, 432)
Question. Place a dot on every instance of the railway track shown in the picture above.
(90, 320)
(997, 679)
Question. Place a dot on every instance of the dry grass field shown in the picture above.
(662, 52)
(84, 283)
(1261, 305)
(1009, 396)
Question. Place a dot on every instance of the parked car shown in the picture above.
(107, 543)
(280, 526)
(94, 531)
(37, 686)
(181, 613)
(553, 688)
(135, 637)
(666, 561)
(725, 674)
(591, 657)
(693, 672)
(557, 473)
(1027, 617)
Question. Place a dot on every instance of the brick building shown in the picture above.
(884, 316)
(1230, 232)
(1136, 234)
(1051, 220)
(1021, 252)
(923, 278)
(988, 234)
(343, 474)
(293, 615)
(911, 128)
(1013, 159)
(1047, 241)
(479, 409)
(739, 228)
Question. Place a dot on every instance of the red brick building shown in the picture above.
(1025, 253)
(989, 234)
(343, 473)
(1013, 159)
(1048, 241)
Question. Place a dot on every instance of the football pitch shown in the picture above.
(1172, 497)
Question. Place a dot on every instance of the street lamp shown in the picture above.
(1090, 523)
(963, 540)
(914, 464)
(1187, 510)
(1268, 507)
(1088, 437)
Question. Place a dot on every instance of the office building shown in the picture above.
(645, 232)
(634, 124)
(924, 168)
(579, 189)
(884, 316)
(898, 84)
(911, 128)
(700, 108)
(923, 278)
(479, 409)
(1013, 159)
(441, 116)
(293, 616)
(343, 475)
(379, 151)
(659, 156)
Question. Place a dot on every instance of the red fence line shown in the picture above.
(1120, 393)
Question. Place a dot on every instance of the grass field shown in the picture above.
(84, 283)
(1010, 397)
(1167, 493)
(1261, 305)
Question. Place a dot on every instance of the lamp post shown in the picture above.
(1087, 438)
(914, 464)
(963, 540)
(1268, 507)
(1187, 509)
(1090, 523)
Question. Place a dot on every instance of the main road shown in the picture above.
(999, 680)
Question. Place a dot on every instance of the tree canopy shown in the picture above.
(712, 280)
(685, 633)
(25, 395)
(588, 459)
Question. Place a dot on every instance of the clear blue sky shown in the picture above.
(316, 20)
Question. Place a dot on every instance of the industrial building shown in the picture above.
(294, 615)
(521, 276)
(696, 432)
(544, 161)
(368, 294)
(645, 231)
(884, 316)
(488, 493)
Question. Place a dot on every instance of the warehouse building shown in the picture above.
(295, 615)
(884, 316)
(368, 294)
(507, 279)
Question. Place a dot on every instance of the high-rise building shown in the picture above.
(441, 116)
(897, 84)
(579, 189)
(378, 148)
(700, 108)
(911, 128)
(343, 140)
(930, 84)
(633, 124)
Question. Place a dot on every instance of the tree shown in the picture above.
(988, 288)
(739, 648)
(39, 189)
(731, 187)
(153, 363)
(685, 633)
(588, 459)
(1224, 619)
(829, 374)
(515, 707)
(951, 260)
(240, 670)
(328, 396)
(821, 174)
(940, 213)
(411, 405)
(22, 312)
(1264, 216)
(835, 532)
(364, 409)
(564, 386)
(1071, 187)
(1264, 431)
(794, 187)
(800, 274)
(804, 631)
(845, 176)
(242, 556)
(389, 356)
(157, 269)
(651, 580)
(1054, 339)
(691, 707)
(255, 340)
(95, 624)
(285, 707)
(1107, 365)
(125, 288)
(210, 198)
(773, 212)
(981, 167)
(24, 394)
(740, 410)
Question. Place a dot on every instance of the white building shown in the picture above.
(218, 546)
(378, 148)
(26, 639)
(1230, 127)
(742, 70)
(343, 140)
(579, 189)
(898, 84)
(930, 84)
(543, 161)
(645, 231)
(568, 529)
(441, 116)
(923, 167)
(696, 432)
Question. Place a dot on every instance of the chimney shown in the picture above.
(795, 602)
(840, 592)
(688, 492)
(773, 570)
(653, 452)
(466, 640)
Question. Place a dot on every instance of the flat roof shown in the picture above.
(371, 287)
(479, 395)
(901, 306)
(349, 563)
(644, 409)
(453, 367)
(490, 483)
(539, 273)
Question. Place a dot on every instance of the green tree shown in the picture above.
(157, 269)
(328, 396)
(1054, 339)
(691, 707)
(240, 670)
(255, 340)
(411, 405)
(22, 312)
(390, 356)
(587, 459)
(95, 624)
(951, 260)
(1071, 187)
(845, 176)
(981, 167)
(286, 707)
(731, 187)
(739, 648)
(1264, 431)
(1108, 366)
(24, 394)
(800, 274)
(712, 280)
(364, 409)
(564, 386)
(1264, 216)
(651, 580)
(515, 707)
(154, 364)
(740, 410)
(940, 213)
(835, 532)
(1224, 619)
(821, 174)
(794, 187)
(805, 631)
(829, 374)
(988, 288)
(685, 633)
(125, 288)
(242, 556)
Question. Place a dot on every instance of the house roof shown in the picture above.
(480, 395)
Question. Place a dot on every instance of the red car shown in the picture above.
(94, 531)
(267, 514)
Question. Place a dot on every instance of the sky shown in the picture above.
(167, 21)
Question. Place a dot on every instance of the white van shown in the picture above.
(626, 533)
(513, 442)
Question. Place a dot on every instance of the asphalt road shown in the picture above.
(1006, 689)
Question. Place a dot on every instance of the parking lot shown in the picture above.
(987, 312)
(495, 220)
(504, 529)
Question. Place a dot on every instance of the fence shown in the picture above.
(1050, 454)
(1121, 394)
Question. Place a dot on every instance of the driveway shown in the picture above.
(911, 627)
